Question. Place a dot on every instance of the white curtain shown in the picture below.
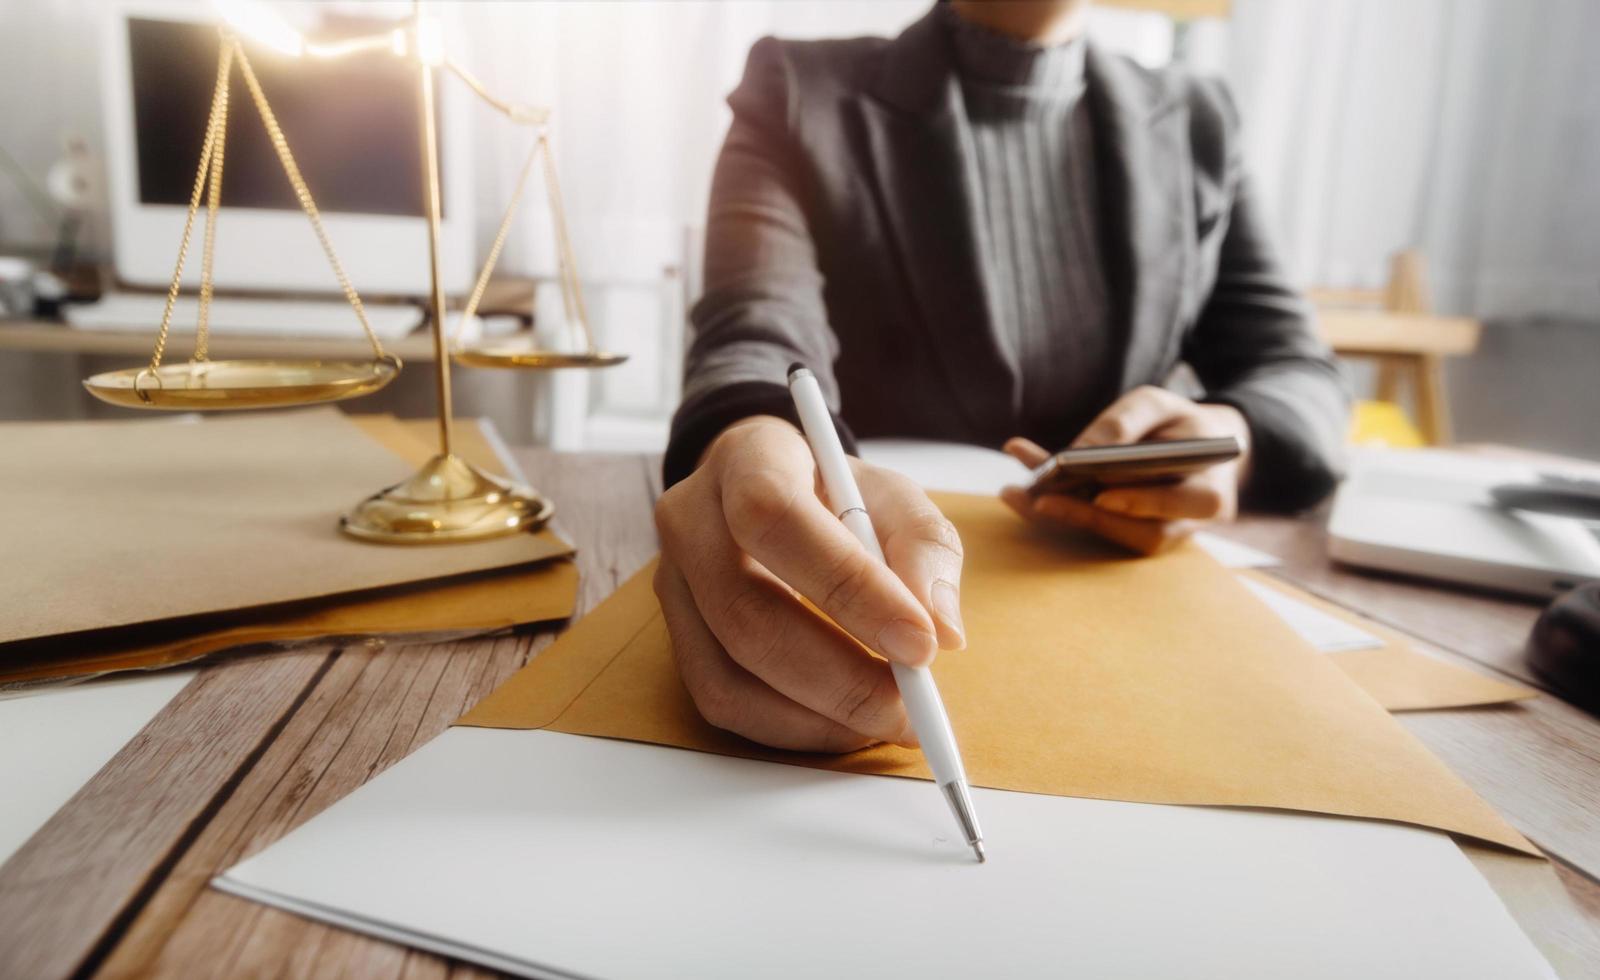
(1467, 128)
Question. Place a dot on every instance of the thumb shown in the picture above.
(1026, 451)
(1131, 418)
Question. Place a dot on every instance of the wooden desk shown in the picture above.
(507, 294)
(48, 337)
(116, 883)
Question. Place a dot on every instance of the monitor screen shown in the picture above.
(352, 124)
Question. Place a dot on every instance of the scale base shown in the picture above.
(447, 500)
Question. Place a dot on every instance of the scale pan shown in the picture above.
(520, 355)
(225, 385)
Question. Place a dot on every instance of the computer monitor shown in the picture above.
(352, 125)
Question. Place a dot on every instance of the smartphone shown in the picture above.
(1085, 472)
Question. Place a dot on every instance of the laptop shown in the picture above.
(1429, 513)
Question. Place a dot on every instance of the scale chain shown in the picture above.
(571, 290)
(219, 100)
(567, 272)
(303, 193)
(213, 203)
(210, 173)
(494, 249)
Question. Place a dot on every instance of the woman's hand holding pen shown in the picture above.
(1147, 519)
(745, 537)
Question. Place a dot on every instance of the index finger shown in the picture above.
(921, 545)
(776, 518)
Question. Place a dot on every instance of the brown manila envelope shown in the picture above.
(1397, 676)
(474, 603)
(1087, 674)
(135, 522)
(471, 604)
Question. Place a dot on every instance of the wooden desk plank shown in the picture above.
(288, 766)
(1537, 762)
(44, 336)
(371, 709)
(69, 888)
(1556, 907)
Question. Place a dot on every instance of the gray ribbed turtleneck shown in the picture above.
(1033, 138)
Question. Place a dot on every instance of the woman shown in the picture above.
(984, 230)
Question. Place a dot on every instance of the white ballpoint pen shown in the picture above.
(923, 704)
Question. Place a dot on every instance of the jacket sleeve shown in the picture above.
(762, 307)
(1254, 347)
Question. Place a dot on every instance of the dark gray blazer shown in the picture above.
(842, 233)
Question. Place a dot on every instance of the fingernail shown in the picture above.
(907, 643)
(947, 604)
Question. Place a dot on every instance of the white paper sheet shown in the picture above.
(949, 466)
(556, 855)
(54, 740)
(1328, 634)
(1232, 554)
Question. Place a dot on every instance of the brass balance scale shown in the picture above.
(448, 499)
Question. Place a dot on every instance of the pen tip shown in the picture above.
(797, 368)
(977, 848)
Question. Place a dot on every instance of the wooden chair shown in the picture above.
(1395, 328)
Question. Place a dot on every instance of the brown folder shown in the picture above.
(463, 604)
(120, 523)
(1087, 674)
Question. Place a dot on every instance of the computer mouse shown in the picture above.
(1564, 648)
